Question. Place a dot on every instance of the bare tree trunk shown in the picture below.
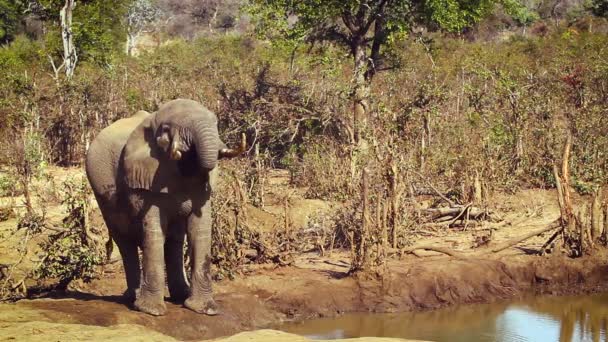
(519, 150)
(359, 235)
(596, 215)
(394, 203)
(366, 219)
(427, 127)
(568, 219)
(69, 50)
(130, 43)
(360, 91)
(213, 19)
(605, 232)
(425, 139)
(477, 189)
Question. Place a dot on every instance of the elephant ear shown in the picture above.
(144, 163)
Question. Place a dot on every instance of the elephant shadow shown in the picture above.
(335, 274)
(80, 296)
(88, 296)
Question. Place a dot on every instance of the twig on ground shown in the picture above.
(443, 197)
(463, 256)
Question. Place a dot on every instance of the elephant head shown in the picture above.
(181, 135)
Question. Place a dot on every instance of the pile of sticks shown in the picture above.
(454, 212)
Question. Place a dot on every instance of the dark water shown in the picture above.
(564, 319)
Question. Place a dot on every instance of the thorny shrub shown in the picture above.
(74, 251)
(467, 109)
(68, 252)
(237, 242)
(456, 110)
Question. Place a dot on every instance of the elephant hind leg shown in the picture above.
(122, 232)
(130, 261)
(174, 260)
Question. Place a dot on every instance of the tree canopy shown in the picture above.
(599, 8)
(368, 27)
(10, 14)
(99, 27)
(375, 22)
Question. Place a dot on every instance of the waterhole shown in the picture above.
(548, 318)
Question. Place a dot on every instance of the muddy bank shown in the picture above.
(418, 284)
(320, 288)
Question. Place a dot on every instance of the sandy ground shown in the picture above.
(315, 286)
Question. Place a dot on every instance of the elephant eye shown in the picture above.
(164, 129)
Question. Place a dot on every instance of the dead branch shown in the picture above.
(441, 250)
(465, 209)
(550, 241)
(463, 256)
(456, 211)
(514, 241)
(443, 197)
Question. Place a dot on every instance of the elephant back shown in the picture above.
(103, 156)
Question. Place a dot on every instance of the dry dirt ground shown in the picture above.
(315, 286)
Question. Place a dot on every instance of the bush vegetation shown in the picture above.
(453, 110)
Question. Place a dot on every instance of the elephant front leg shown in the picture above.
(199, 236)
(150, 298)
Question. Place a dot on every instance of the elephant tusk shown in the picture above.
(231, 153)
(176, 155)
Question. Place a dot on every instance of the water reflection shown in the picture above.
(564, 319)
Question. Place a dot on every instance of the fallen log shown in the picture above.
(446, 251)
(516, 240)
(452, 212)
(463, 256)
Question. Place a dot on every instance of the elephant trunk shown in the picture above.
(207, 144)
(226, 152)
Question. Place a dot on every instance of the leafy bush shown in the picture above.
(73, 251)
(7, 185)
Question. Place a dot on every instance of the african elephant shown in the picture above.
(152, 176)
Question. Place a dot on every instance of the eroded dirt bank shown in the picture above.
(321, 289)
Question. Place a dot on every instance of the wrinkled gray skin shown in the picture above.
(152, 175)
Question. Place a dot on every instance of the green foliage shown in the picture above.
(19, 54)
(583, 188)
(7, 185)
(98, 27)
(522, 14)
(17, 61)
(599, 7)
(489, 93)
(99, 31)
(33, 154)
(10, 15)
(453, 15)
(295, 21)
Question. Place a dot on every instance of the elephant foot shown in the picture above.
(150, 306)
(205, 306)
